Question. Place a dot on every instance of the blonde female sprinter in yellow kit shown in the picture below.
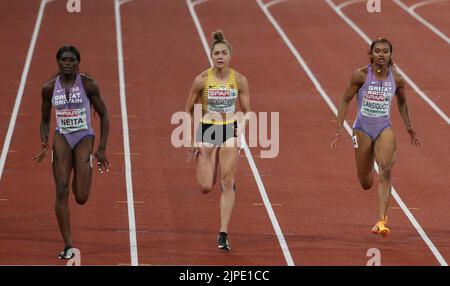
(218, 90)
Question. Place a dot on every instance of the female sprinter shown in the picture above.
(218, 90)
(72, 94)
(373, 137)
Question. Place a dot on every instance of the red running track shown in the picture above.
(323, 213)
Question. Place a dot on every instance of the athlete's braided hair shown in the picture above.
(219, 38)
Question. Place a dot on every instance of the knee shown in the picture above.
(366, 185)
(62, 193)
(81, 200)
(206, 188)
(81, 197)
(366, 182)
(385, 172)
(227, 182)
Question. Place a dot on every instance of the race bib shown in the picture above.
(222, 100)
(71, 120)
(377, 102)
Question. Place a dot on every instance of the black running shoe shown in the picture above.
(222, 241)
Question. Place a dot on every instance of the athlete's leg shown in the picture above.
(207, 167)
(82, 175)
(62, 166)
(228, 159)
(364, 158)
(385, 152)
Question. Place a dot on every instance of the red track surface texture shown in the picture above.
(323, 214)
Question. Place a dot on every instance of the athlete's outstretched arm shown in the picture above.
(46, 107)
(403, 108)
(93, 93)
(356, 81)
(244, 100)
(194, 95)
(244, 94)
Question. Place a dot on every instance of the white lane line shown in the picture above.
(274, 2)
(424, 3)
(419, 18)
(418, 227)
(121, 2)
(262, 191)
(198, 2)
(348, 3)
(126, 137)
(302, 62)
(23, 80)
(405, 76)
(312, 77)
(199, 30)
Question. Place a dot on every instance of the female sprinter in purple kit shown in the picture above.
(373, 138)
(72, 94)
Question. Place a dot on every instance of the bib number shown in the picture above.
(71, 120)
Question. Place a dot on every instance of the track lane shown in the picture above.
(176, 223)
(29, 226)
(300, 20)
(422, 57)
(17, 35)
